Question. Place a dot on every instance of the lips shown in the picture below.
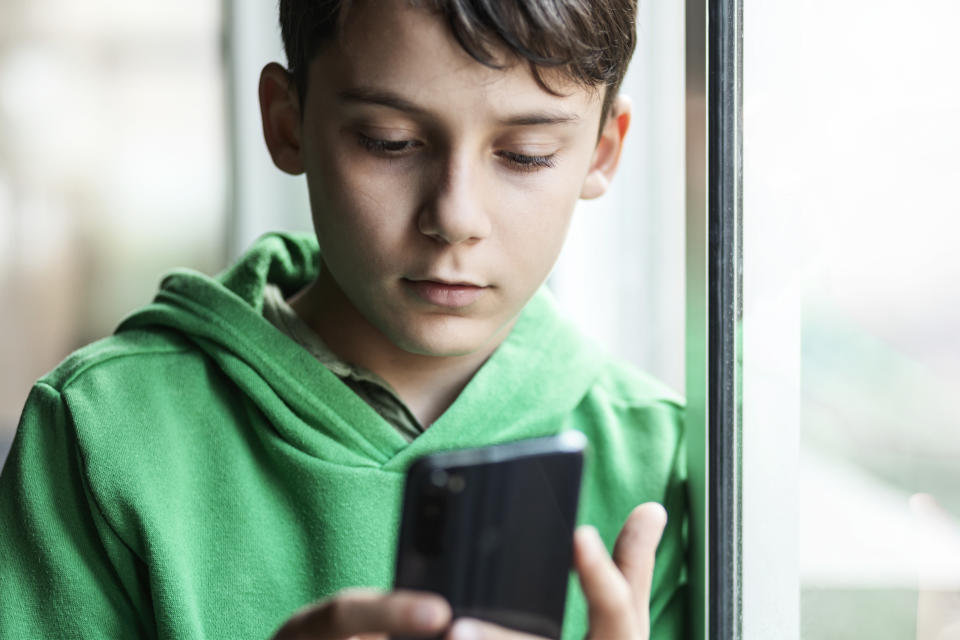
(450, 294)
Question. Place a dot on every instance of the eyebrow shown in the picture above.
(391, 100)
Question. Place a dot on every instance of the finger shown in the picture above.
(609, 598)
(635, 550)
(470, 629)
(354, 612)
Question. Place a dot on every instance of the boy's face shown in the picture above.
(441, 189)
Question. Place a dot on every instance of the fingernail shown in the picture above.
(589, 537)
(465, 630)
(586, 531)
(428, 614)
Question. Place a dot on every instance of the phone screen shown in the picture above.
(492, 530)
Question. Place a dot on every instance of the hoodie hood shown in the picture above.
(527, 388)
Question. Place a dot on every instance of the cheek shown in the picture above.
(552, 208)
(359, 207)
(535, 229)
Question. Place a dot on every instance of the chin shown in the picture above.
(446, 338)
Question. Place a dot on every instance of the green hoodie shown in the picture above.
(200, 475)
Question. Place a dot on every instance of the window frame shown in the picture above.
(714, 89)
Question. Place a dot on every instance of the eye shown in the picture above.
(525, 162)
(386, 147)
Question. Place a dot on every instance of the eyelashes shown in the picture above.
(386, 147)
(527, 162)
(395, 149)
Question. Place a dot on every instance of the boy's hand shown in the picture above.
(617, 589)
(366, 614)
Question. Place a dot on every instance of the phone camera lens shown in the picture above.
(456, 484)
(438, 478)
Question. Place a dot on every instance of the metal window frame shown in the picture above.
(714, 89)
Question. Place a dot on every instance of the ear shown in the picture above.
(280, 112)
(606, 156)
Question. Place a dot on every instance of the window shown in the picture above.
(850, 442)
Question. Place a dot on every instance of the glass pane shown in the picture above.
(112, 170)
(851, 434)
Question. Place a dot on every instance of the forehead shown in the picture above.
(390, 45)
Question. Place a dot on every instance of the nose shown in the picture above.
(453, 211)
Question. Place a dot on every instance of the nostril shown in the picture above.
(454, 226)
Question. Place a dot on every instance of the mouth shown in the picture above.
(446, 293)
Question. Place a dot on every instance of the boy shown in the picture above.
(236, 451)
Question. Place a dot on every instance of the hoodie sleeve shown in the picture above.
(62, 568)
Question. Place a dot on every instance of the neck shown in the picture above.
(427, 384)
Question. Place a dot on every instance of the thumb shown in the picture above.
(635, 551)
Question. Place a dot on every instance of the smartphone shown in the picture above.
(491, 530)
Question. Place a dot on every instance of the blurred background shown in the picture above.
(851, 334)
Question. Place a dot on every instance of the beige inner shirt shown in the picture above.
(374, 390)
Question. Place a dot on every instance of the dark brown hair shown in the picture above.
(587, 41)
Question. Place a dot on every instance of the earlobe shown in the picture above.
(595, 185)
(606, 155)
(280, 114)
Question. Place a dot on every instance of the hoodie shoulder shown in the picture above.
(624, 384)
(115, 350)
